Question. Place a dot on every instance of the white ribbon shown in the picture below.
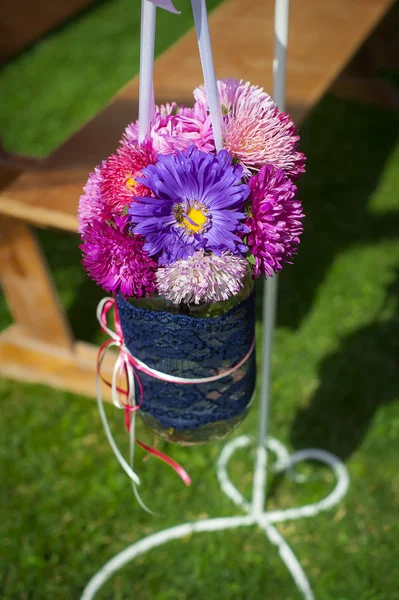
(146, 91)
(124, 464)
(205, 50)
(146, 94)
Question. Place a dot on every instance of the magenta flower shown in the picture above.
(119, 176)
(176, 128)
(115, 259)
(203, 277)
(91, 204)
(255, 132)
(275, 221)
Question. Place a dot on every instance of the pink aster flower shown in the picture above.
(176, 128)
(270, 139)
(256, 133)
(118, 184)
(115, 259)
(91, 204)
(275, 220)
(203, 277)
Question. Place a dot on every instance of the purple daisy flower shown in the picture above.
(198, 203)
(115, 259)
(275, 222)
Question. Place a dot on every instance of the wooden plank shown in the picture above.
(323, 37)
(28, 288)
(23, 21)
(25, 359)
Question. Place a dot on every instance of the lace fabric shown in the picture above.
(192, 347)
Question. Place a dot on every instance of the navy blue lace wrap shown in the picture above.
(192, 347)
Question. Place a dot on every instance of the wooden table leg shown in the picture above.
(28, 288)
(39, 345)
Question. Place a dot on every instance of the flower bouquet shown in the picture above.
(177, 232)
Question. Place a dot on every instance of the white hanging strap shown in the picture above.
(147, 43)
(146, 90)
(281, 22)
(205, 49)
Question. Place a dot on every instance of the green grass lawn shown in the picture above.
(66, 505)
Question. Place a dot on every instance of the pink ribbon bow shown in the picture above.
(127, 365)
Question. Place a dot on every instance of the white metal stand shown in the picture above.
(266, 520)
(254, 509)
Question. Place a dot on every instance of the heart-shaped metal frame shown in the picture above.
(266, 520)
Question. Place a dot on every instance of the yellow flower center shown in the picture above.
(131, 183)
(192, 219)
(195, 218)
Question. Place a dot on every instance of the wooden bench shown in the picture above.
(324, 36)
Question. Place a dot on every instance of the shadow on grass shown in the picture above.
(355, 380)
(347, 146)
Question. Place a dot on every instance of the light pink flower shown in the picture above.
(231, 91)
(176, 128)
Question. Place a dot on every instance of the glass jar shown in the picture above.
(193, 341)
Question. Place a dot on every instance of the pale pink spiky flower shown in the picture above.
(203, 277)
(256, 132)
(230, 92)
